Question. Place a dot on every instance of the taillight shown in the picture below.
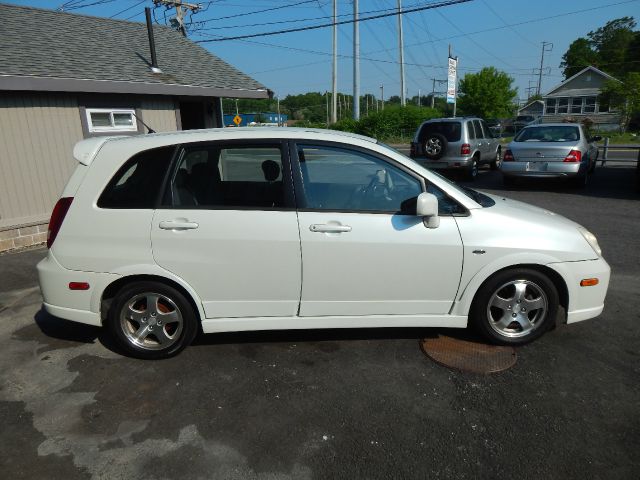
(574, 156)
(57, 217)
(508, 156)
(465, 149)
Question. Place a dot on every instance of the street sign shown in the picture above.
(237, 120)
(451, 80)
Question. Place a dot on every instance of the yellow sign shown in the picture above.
(237, 120)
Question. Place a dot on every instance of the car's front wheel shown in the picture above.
(515, 306)
(151, 320)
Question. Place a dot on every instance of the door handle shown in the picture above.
(329, 228)
(175, 225)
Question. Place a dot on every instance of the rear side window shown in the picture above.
(479, 134)
(139, 181)
(470, 129)
(228, 177)
(450, 130)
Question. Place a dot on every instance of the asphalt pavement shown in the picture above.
(333, 403)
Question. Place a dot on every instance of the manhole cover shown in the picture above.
(468, 356)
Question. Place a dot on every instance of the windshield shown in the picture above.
(556, 133)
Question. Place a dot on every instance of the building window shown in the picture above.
(589, 105)
(563, 105)
(576, 105)
(111, 120)
(550, 106)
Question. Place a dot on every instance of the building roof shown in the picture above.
(583, 91)
(58, 51)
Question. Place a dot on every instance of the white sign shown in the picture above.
(451, 80)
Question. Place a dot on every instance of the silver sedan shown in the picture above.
(550, 150)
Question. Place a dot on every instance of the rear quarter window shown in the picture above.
(137, 184)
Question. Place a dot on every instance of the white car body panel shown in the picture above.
(242, 263)
(386, 264)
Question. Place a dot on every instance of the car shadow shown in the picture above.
(615, 182)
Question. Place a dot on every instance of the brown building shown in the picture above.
(65, 77)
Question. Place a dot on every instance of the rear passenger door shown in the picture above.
(483, 141)
(227, 226)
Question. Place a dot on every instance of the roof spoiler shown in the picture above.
(85, 150)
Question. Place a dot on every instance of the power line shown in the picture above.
(342, 22)
(127, 9)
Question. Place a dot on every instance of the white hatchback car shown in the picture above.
(159, 236)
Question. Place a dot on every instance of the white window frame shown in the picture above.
(112, 128)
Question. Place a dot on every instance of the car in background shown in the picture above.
(461, 144)
(496, 126)
(551, 150)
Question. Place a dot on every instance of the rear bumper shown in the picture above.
(76, 305)
(445, 163)
(543, 169)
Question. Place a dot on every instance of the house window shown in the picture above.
(111, 120)
(563, 105)
(589, 105)
(576, 105)
(550, 106)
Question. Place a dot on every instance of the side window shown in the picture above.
(342, 179)
(138, 182)
(225, 176)
(472, 132)
(486, 130)
(479, 133)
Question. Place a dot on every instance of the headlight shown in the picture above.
(591, 240)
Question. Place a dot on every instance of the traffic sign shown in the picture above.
(237, 120)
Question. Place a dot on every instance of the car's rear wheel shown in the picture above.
(515, 306)
(495, 164)
(151, 320)
(435, 146)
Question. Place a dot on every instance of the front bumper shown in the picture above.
(584, 302)
(543, 169)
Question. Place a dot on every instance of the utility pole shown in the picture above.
(326, 94)
(433, 90)
(544, 49)
(279, 119)
(382, 95)
(178, 22)
(334, 79)
(403, 99)
(356, 62)
(419, 95)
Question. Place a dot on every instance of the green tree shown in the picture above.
(578, 56)
(625, 96)
(487, 94)
(609, 48)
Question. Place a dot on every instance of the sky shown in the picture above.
(506, 34)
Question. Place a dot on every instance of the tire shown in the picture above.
(515, 306)
(435, 146)
(592, 169)
(495, 164)
(151, 333)
(472, 171)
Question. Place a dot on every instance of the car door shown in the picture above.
(490, 141)
(228, 227)
(364, 251)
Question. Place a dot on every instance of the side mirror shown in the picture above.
(596, 138)
(427, 207)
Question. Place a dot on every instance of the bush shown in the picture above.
(394, 122)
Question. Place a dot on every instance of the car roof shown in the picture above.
(557, 124)
(85, 150)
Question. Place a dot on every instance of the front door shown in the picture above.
(228, 227)
(364, 251)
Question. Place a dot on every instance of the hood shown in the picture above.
(511, 224)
